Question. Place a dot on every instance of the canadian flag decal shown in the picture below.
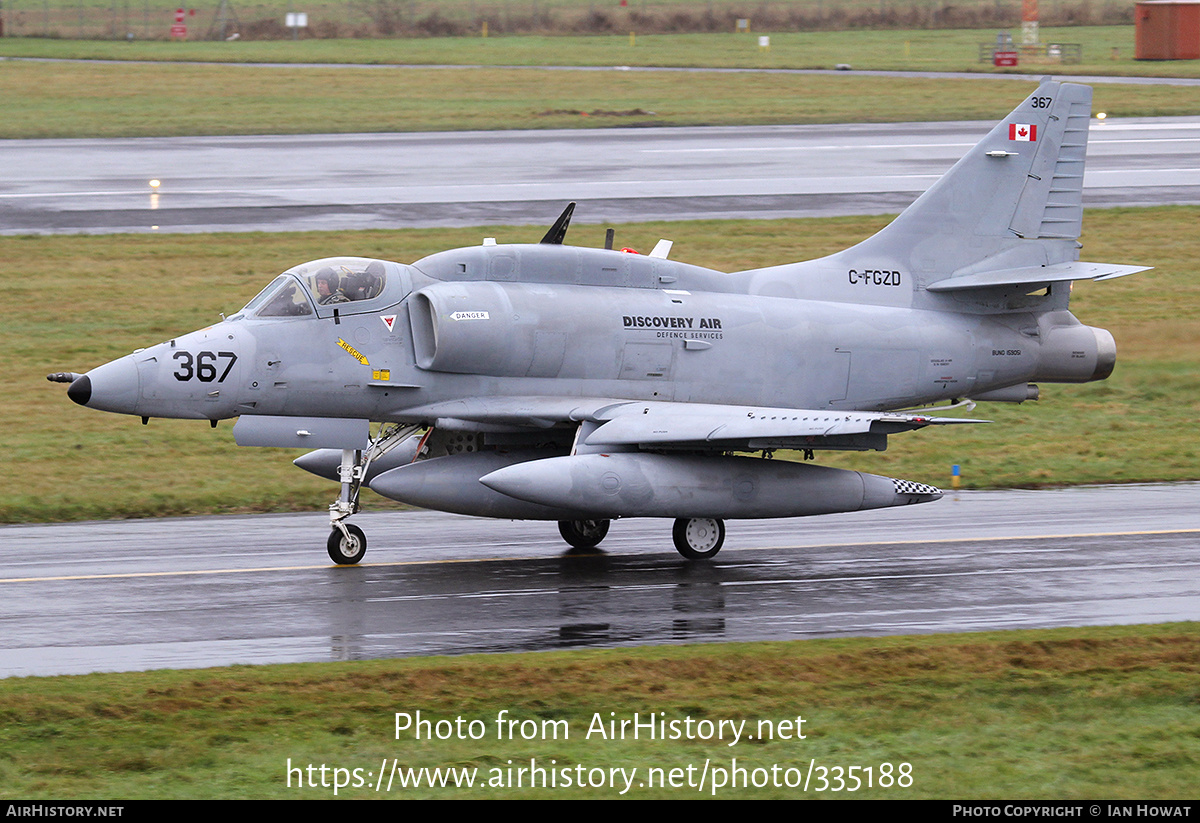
(1022, 131)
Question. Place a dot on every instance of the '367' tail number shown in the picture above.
(203, 366)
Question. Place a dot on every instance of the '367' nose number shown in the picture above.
(203, 366)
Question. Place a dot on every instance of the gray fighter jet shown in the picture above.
(582, 385)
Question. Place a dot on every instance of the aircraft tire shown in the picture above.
(583, 534)
(347, 552)
(699, 538)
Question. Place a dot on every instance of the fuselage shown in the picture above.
(530, 321)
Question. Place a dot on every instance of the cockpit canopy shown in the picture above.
(347, 285)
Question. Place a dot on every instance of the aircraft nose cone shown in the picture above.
(80, 390)
(112, 387)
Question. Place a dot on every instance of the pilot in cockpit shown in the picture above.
(327, 287)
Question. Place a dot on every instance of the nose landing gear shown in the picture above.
(347, 543)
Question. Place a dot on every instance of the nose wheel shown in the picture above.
(347, 548)
(699, 538)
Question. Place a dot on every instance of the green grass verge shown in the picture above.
(264, 19)
(68, 308)
(131, 99)
(919, 50)
(1051, 714)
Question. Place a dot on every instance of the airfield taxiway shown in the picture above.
(281, 183)
(196, 592)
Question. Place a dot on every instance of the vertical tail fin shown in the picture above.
(1015, 200)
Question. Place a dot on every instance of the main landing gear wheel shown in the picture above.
(347, 551)
(583, 534)
(699, 538)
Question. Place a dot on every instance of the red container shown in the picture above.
(1167, 30)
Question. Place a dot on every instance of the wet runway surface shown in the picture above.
(194, 592)
(278, 183)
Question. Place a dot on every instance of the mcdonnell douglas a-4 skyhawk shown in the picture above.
(581, 385)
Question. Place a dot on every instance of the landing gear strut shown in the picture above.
(347, 543)
(699, 538)
(583, 534)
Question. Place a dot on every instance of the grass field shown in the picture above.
(1056, 714)
(902, 50)
(299, 93)
(76, 463)
(116, 99)
(110, 100)
(265, 19)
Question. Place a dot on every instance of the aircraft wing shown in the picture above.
(675, 425)
(709, 426)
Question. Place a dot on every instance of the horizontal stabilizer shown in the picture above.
(1035, 275)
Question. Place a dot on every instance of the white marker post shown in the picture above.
(297, 20)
